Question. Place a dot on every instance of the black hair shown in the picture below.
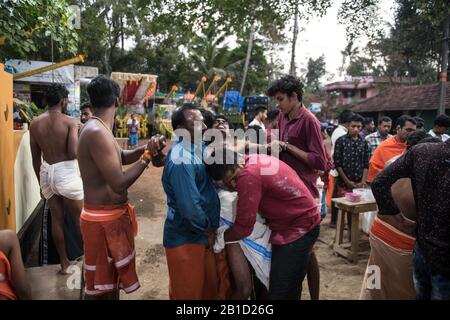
(86, 105)
(329, 130)
(259, 132)
(259, 109)
(430, 140)
(178, 116)
(345, 116)
(273, 114)
(367, 121)
(419, 122)
(442, 121)
(384, 119)
(103, 92)
(401, 121)
(208, 118)
(221, 116)
(357, 118)
(288, 85)
(415, 137)
(55, 93)
(229, 161)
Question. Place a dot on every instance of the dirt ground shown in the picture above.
(340, 279)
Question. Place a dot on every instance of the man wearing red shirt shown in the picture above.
(301, 147)
(288, 207)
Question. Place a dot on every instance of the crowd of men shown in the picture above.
(244, 212)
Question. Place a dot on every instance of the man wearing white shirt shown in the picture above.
(260, 117)
(440, 129)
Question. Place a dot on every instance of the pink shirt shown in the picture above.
(303, 131)
(282, 198)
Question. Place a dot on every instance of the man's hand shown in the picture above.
(156, 144)
(351, 185)
(362, 185)
(275, 145)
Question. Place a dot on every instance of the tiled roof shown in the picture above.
(425, 97)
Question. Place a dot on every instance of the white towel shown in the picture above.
(256, 247)
(61, 178)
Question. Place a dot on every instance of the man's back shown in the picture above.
(56, 135)
(96, 188)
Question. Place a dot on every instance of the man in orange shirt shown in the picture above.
(392, 147)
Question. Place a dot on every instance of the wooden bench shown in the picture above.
(350, 250)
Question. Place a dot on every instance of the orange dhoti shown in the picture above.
(109, 254)
(196, 273)
(6, 290)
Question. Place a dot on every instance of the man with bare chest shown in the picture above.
(108, 220)
(54, 140)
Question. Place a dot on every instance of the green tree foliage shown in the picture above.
(316, 69)
(411, 48)
(25, 25)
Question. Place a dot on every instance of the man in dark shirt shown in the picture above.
(351, 157)
(428, 166)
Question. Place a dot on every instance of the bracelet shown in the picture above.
(285, 146)
(146, 156)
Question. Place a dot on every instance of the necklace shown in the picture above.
(54, 111)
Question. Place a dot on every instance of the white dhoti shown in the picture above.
(63, 179)
(256, 247)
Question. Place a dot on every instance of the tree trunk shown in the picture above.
(444, 66)
(294, 41)
(247, 59)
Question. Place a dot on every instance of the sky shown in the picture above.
(325, 36)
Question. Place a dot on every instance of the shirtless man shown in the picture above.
(13, 279)
(108, 221)
(54, 137)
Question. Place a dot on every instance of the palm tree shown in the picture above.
(210, 54)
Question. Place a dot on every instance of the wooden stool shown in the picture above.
(354, 208)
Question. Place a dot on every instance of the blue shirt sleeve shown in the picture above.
(188, 198)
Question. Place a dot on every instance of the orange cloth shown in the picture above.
(5, 278)
(109, 254)
(330, 191)
(392, 236)
(196, 273)
(388, 149)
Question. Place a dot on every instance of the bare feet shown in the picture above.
(65, 266)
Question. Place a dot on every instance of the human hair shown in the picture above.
(288, 85)
(273, 114)
(85, 105)
(55, 93)
(178, 116)
(103, 92)
(415, 137)
(442, 120)
(329, 130)
(367, 121)
(221, 116)
(259, 132)
(345, 116)
(384, 119)
(419, 122)
(208, 117)
(401, 121)
(259, 109)
(357, 118)
(218, 168)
